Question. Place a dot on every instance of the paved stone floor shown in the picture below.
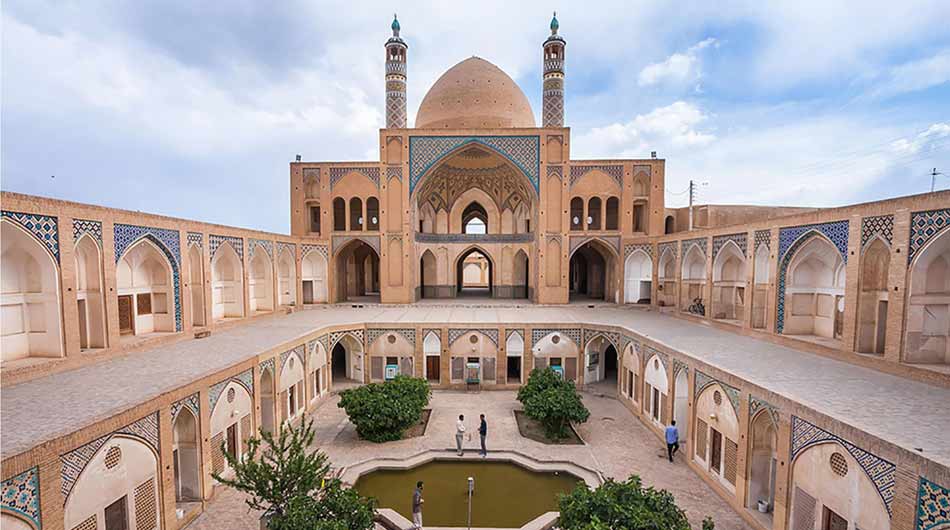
(907, 413)
(617, 444)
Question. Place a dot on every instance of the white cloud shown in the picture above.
(923, 141)
(912, 76)
(677, 68)
(671, 127)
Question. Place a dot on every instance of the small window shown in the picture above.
(117, 515)
(593, 213)
(392, 360)
(315, 219)
(356, 214)
(339, 214)
(613, 213)
(143, 304)
(577, 213)
(638, 218)
(372, 213)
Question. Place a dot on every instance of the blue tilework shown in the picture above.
(702, 380)
(925, 226)
(166, 240)
(425, 152)
(43, 227)
(790, 240)
(215, 242)
(933, 506)
(719, 241)
(21, 495)
(881, 225)
(880, 471)
(83, 226)
(195, 238)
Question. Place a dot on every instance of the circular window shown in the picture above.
(391, 338)
(473, 338)
(717, 397)
(113, 456)
(230, 395)
(838, 464)
(556, 339)
(656, 364)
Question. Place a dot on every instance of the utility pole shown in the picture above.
(933, 179)
(692, 196)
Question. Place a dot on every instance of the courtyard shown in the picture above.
(616, 444)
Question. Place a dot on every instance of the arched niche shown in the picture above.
(231, 424)
(429, 281)
(291, 387)
(928, 308)
(186, 455)
(873, 297)
(120, 479)
(600, 360)
(667, 278)
(261, 282)
(630, 374)
(814, 290)
(196, 285)
(514, 353)
(390, 349)
(556, 349)
(313, 277)
(763, 460)
(475, 271)
(347, 359)
(593, 270)
(30, 297)
(761, 279)
(317, 365)
(475, 203)
(432, 351)
(681, 403)
(267, 400)
(829, 483)
(473, 355)
(90, 299)
(356, 269)
(717, 430)
(227, 284)
(286, 278)
(145, 290)
(729, 280)
(638, 278)
(656, 388)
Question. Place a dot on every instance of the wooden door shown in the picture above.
(126, 317)
(834, 521)
(715, 457)
(116, 515)
(433, 364)
(232, 440)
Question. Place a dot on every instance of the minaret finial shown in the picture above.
(554, 24)
(395, 25)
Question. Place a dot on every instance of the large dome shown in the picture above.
(474, 94)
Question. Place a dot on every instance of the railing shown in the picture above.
(422, 237)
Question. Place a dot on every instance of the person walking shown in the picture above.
(672, 440)
(459, 433)
(482, 433)
(417, 501)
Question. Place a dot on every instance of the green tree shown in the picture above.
(623, 505)
(290, 483)
(553, 402)
(383, 411)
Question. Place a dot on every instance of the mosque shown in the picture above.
(133, 344)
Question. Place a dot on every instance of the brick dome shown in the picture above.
(474, 94)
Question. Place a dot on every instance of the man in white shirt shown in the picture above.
(459, 433)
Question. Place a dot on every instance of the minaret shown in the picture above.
(552, 101)
(396, 79)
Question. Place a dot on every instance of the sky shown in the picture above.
(195, 109)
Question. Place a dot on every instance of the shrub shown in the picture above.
(553, 402)
(622, 506)
(383, 411)
(291, 486)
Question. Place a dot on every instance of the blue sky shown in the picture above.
(195, 109)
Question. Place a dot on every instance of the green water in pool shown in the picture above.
(506, 495)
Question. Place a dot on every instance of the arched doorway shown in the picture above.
(592, 272)
(638, 276)
(669, 225)
(717, 435)
(521, 276)
(474, 274)
(196, 285)
(185, 457)
(357, 272)
(145, 290)
(655, 389)
(681, 403)
(231, 423)
(693, 281)
(927, 335)
(347, 361)
(286, 282)
(313, 277)
(763, 463)
(261, 282)
(432, 350)
(474, 219)
(31, 297)
(601, 362)
(89, 295)
(267, 400)
(872, 297)
(667, 279)
(729, 277)
(760, 294)
(428, 275)
(814, 292)
(227, 284)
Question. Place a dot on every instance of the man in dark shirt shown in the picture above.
(482, 433)
(417, 501)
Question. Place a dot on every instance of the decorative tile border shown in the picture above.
(614, 171)
(720, 241)
(320, 249)
(425, 152)
(73, 462)
(790, 240)
(933, 505)
(490, 333)
(325, 340)
(880, 471)
(669, 246)
(630, 248)
(374, 333)
(394, 172)
(578, 241)
(215, 242)
(281, 246)
(85, 226)
(245, 379)
(924, 226)
(190, 402)
(311, 174)
(167, 241)
(756, 404)
(196, 239)
(701, 380)
(697, 242)
(266, 244)
(612, 337)
(679, 366)
(44, 228)
(337, 335)
(556, 172)
(573, 333)
(341, 241)
(763, 237)
(21, 495)
(300, 351)
(881, 225)
(337, 173)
